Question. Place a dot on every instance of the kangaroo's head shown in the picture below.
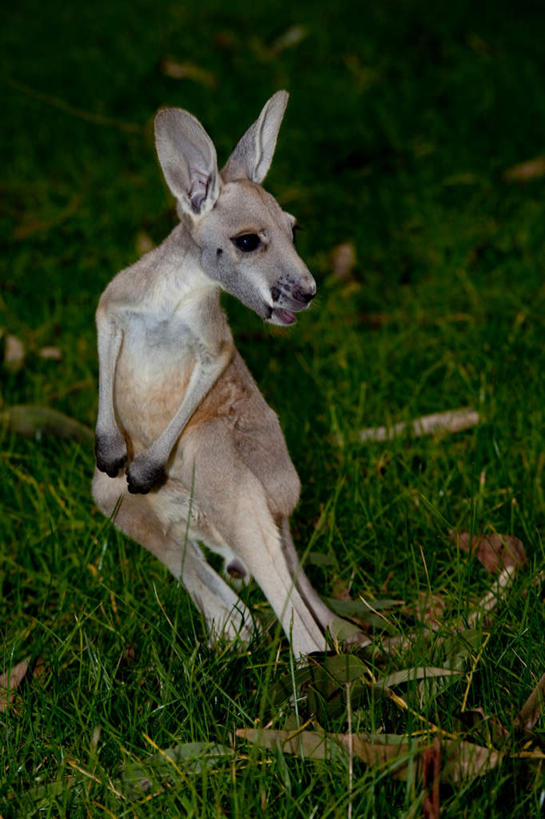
(245, 239)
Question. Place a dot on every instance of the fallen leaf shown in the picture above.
(340, 589)
(320, 680)
(496, 552)
(51, 353)
(10, 681)
(490, 600)
(526, 171)
(461, 179)
(429, 609)
(462, 760)
(14, 354)
(290, 38)
(171, 764)
(144, 243)
(33, 422)
(40, 669)
(449, 421)
(363, 613)
(343, 260)
(319, 559)
(417, 673)
(188, 71)
(431, 765)
(532, 708)
(484, 728)
(374, 320)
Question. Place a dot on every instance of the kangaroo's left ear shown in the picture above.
(253, 155)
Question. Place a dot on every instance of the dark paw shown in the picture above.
(144, 475)
(110, 452)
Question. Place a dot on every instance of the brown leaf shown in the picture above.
(340, 589)
(416, 673)
(144, 243)
(532, 708)
(429, 609)
(438, 422)
(496, 552)
(51, 353)
(462, 760)
(10, 681)
(431, 773)
(188, 71)
(484, 728)
(40, 669)
(14, 354)
(343, 260)
(526, 171)
(290, 38)
(33, 422)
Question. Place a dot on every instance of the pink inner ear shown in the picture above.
(197, 192)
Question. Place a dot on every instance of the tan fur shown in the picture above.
(177, 401)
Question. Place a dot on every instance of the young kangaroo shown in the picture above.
(176, 400)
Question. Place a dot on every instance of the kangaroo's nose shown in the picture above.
(304, 296)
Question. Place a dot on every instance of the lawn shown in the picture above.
(413, 137)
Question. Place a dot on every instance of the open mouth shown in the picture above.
(281, 316)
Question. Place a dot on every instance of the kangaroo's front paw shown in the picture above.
(144, 474)
(110, 452)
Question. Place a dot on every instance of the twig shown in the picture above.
(350, 750)
(449, 421)
(56, 102)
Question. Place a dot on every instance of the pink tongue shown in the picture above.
(286, 316)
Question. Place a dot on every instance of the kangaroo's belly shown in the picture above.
(152, 374)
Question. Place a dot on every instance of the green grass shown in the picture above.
(403, 118)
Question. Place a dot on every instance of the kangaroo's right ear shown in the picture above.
(188, 159)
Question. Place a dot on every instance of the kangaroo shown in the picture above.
(207, 461)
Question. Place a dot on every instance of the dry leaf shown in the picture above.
(340, 589)
(14, 354)
(449, 421)
(417, 673)
(188, 71)
(10, 681)
(429, 609)
(144, 243)
(496, 552)
(171, 764)
(40, 668)
(431, 764)
(290, 38)
(33, 422)
(525, 171)
(484, 728)
(532, 708)
(343, 260)
(51, 353)
(490, 600)
(462, 760)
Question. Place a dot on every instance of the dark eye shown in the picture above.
(294, 230)
(247, 242)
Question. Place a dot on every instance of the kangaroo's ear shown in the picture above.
(253, 155)
(188, 159)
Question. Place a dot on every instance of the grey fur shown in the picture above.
(177, 402)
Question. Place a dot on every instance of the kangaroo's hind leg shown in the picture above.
(239, 510)
(225, 614)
